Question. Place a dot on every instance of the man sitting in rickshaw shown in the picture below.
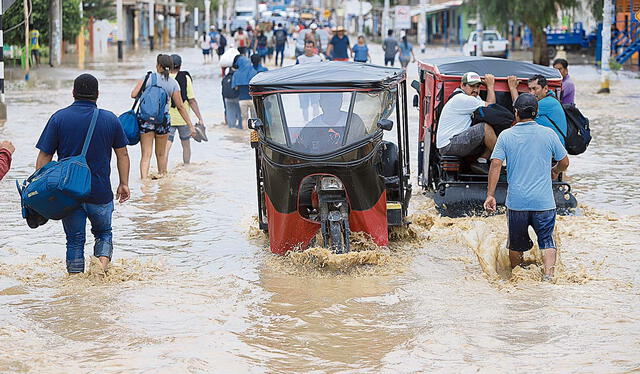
(325, 133)
(456, 136)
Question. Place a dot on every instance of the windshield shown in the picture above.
(317, 123)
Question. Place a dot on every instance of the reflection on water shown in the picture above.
(193, 289)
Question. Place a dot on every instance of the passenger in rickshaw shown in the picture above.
(456, 136)
(325, 133)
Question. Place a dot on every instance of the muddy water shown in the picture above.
(192, 288)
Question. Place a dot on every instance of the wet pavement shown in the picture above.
(193, 289)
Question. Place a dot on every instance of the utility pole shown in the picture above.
(606, 47)
(80, 42)
(120, 21)
(220, 12)
(196, 20)
(360, 20)
(27, 52)
(422, 26)
(55, 30)
(3, 104)
(479, 35)
(152, 19)
(207, 15)
(385, 19)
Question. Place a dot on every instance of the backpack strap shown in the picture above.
(556, 126)
(144, 82)
(92, 126)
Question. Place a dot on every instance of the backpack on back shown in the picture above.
(281, 37)
(56, 189)
(129, 120)
(578, 131)
(153, 103)
(228, 92)
(578, 135)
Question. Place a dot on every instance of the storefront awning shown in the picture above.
(434, 8)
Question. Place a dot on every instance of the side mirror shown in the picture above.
(385, 124)
(416, 101)
(416, 85)
(254, 123)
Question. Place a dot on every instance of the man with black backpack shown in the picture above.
(65, 134)
(178, 124)
(280, 41)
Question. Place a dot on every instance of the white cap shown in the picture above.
(313, 26)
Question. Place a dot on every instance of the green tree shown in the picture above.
(536, 14)
(99, 9)
(71, 21)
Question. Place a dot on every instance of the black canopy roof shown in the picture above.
(326, 75)
(489, 65)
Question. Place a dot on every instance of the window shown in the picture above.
(274, 124)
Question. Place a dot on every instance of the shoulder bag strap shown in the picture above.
(135, 102)
(92, 126)
(556, 126)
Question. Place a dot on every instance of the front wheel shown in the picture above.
(337, 238)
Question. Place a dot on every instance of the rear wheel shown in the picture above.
(552, 52)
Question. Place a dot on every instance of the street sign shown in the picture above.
(403, 17)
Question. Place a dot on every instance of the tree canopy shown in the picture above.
(71, 21)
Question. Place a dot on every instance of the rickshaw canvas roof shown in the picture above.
(499, 67)
(326, 75)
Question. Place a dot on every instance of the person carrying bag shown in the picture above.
(56, 189)
(129, 120)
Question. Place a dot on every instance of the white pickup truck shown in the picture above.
(493, 45)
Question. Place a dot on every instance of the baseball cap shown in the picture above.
(471, 78)
(527, 105)
(85, 86)
(177, 60)
(313, 26)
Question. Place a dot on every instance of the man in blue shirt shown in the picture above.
(528, 149)
(339, 45)
(64, 134)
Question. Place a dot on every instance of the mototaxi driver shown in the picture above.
(325, 132)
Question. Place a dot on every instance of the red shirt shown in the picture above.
(5, 162)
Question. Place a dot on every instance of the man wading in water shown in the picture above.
(64, 134)
(528, 149)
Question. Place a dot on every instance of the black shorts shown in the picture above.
(543, 223)
(389, 60)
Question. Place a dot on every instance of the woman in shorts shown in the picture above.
(406, 53)
(159, 132)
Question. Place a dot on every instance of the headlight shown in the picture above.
(331, 184)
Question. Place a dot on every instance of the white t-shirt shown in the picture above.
(456, 117)
(205, 42)
(304, 59)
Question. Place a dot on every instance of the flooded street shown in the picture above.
(194, 289)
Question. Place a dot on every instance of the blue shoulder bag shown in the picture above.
(129, 120)
(57, 188)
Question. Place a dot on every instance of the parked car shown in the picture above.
(493, 45)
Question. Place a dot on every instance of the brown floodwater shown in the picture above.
(193, 288)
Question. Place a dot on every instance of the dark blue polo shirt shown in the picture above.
(65, 132)
(340, 47)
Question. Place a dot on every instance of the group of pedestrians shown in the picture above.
(212, 42)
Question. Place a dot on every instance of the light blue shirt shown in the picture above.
(550, 109)
(528, 149)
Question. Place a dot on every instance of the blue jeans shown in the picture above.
(280, 51)
(75, 225)
(232, 113)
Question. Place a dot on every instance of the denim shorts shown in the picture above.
(183, 132)
(467, 142)
(542, 222)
